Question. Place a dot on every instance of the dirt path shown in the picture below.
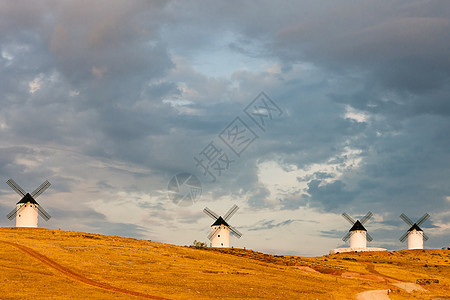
(409, 286)
(373, 295)
(69, 273)
(371, 268)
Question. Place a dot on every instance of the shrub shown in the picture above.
(199, 245)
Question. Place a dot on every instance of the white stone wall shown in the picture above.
(222, 237)
(415, 239)
(28, 216)
(358, 239)
(343, 250)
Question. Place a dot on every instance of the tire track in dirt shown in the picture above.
(407, 286)
(77, 277)
(371, 268)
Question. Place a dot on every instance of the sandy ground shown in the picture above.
(409, 286)
(363, 276)
(78, 277)
(373, 295)
(307, 269)
(383, 294)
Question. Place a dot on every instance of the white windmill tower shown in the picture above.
(27, 209)
(220, 229)
(357, 234)
(415, 234)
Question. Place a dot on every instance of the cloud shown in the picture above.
(120, 229)
(269, 224)
(389, 41)
(331, 196)
(110, 100)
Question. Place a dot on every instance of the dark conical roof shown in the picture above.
(357, 226)
(220, 221)
(416, 227)
(27, 198)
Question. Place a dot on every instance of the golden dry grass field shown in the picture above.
(45, 264)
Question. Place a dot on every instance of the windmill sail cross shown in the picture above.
(27, 209)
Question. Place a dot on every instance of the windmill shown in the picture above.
(357, 234)
(27, 209)
(415, 234)
(220, 229)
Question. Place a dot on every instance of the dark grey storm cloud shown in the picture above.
(98, 223)
(269, 224)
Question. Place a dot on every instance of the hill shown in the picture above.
(43, 263)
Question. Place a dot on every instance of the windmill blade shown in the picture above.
(235, 232)
(406, 219)
(346, 237)
(404, 236)
(366, 217)
(348, 218)
(45, 215)
(423, 219)
(16, 187)
(14, 212)
(40, 189)
(213, 233)
(230, 213)
(425, 237)
(369, 238)
(210, 213)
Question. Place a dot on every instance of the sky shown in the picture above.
(296, 111)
